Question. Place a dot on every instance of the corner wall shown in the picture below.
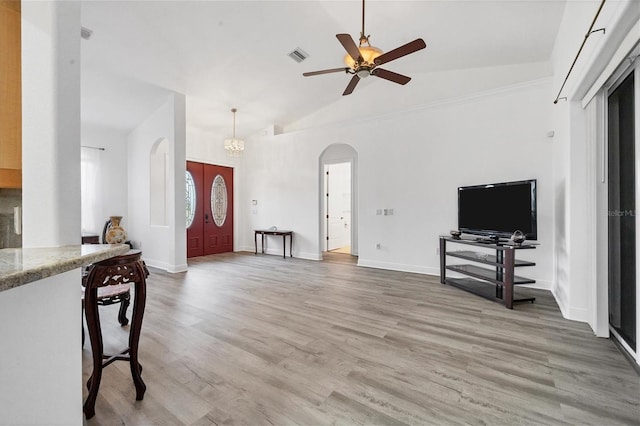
(575, 283)
(163, 246)
(50, 124)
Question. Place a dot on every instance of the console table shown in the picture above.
(283, 234)
(495, 284)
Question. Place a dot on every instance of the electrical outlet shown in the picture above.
(378, 212)
(437, 250)
(378, 246)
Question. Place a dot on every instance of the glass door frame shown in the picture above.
(628, 67)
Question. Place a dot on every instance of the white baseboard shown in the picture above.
(578, 314)
(399, 267)
(174, 269)
(278, 252)
(165, 266)
(570, 312)
(308, 256)
(540, 285)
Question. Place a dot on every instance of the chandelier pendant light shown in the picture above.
(234, 146)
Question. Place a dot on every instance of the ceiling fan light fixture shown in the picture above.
(363, 72)
(363, 60)
(368, 53)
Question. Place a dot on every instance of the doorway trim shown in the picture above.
(334, 154)
(600, 173)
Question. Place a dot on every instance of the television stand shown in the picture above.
(495, 284)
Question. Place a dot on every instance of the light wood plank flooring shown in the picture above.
(242, 339)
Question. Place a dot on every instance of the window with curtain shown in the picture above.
(90, 162)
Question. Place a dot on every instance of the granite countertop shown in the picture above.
(19, 266)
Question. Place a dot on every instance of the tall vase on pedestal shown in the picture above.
(115, 234)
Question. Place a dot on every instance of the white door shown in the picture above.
(338, 205)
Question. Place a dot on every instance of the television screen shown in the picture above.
(499, 209)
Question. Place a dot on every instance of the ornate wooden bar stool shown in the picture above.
(125, 269)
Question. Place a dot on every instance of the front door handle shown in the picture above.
(206, 218)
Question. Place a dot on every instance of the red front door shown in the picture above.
(218, 215)
(211, 230)
(195, 209)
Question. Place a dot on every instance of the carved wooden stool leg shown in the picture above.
(136, 326)
(127, 268)
(95, 337)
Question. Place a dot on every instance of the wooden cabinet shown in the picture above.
(10, 95)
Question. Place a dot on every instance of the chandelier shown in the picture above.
(233, 146)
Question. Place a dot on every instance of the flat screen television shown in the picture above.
(497, 210)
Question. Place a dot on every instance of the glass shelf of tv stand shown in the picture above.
(489, 243)
(486, 258)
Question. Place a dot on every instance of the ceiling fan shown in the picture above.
(363, 60)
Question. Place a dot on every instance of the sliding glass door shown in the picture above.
(622, 210)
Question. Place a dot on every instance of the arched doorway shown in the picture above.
(338, 192)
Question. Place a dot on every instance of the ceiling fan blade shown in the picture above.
(352, 85)
(401, 51)
(350, 46)
(391, 76)
(309, 74)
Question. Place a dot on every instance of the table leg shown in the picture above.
(443, 270)
(508, 278)
(284, 246)
(255, 240)
(262, 243)
(291, 245)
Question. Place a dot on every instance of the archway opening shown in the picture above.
(338, 192)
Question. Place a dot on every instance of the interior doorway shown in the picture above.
(338, 197)
(209, 209)
(337, 227)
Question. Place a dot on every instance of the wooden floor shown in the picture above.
(257, 340)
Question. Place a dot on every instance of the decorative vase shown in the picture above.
(115, 234)
(518, 237)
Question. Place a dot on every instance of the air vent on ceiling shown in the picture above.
(298, 55)
(85, 33)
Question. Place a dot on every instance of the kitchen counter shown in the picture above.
(19, 266)
(40, 309)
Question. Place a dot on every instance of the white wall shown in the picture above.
(573, 157)
(162, 246)
(374, 97)
(411, 161)
(108, 193)
(50, 123)
(41, 356)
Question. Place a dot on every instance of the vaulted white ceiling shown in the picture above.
(224, 54)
